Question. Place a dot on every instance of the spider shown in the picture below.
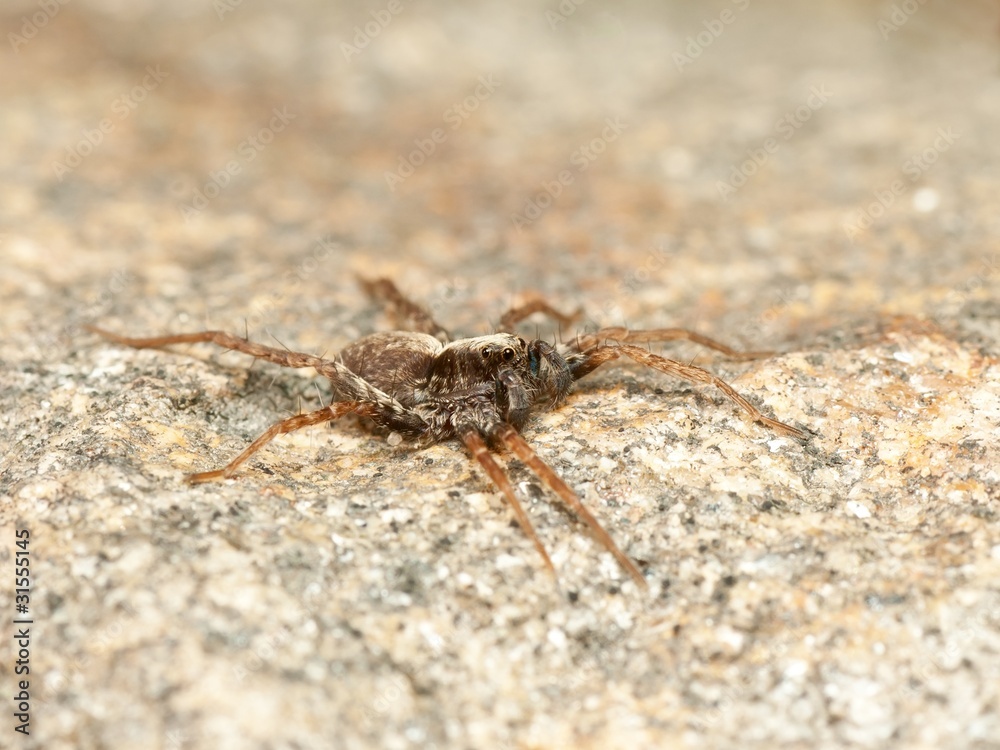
(427, 387)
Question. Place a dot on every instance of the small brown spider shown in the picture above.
(428, 388)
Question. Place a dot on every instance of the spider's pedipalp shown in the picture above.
(587, 363)
(326, 414)
(470, 436)
(510, 437)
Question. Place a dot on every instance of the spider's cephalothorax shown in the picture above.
(425, 387)
(478, 382)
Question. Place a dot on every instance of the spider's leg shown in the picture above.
(590, 361)
(589, 341)
(516, 314)
(406, 314)
(326, 414)
(517, 445)
(384, 409)
(482, 454)
(281, 357)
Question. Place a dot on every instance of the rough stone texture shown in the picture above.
(342, 592)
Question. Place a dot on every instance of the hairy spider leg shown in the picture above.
(591, 360)
(381, 407)
(386, 410)
(326, 414)
(510, 437)
(407, 315)
(516, 314)
(588, 341)
(282, 357)
(482, 454)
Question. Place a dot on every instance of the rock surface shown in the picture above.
(819, 181)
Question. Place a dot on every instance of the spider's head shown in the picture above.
(468, 363)
(535, 367)
(505, 370)
(476, 364)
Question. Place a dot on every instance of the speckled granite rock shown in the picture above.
(821, 182)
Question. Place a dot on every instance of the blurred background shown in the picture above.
(772, 168)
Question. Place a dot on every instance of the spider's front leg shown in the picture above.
(512, 439)
(505, 434)
(474, 442)
(589, 341)
(583, 364)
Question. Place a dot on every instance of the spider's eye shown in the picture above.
(508, 354)
(485, 351)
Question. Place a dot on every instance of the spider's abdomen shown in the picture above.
(396, 362)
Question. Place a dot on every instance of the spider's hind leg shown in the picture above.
(282, 357)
